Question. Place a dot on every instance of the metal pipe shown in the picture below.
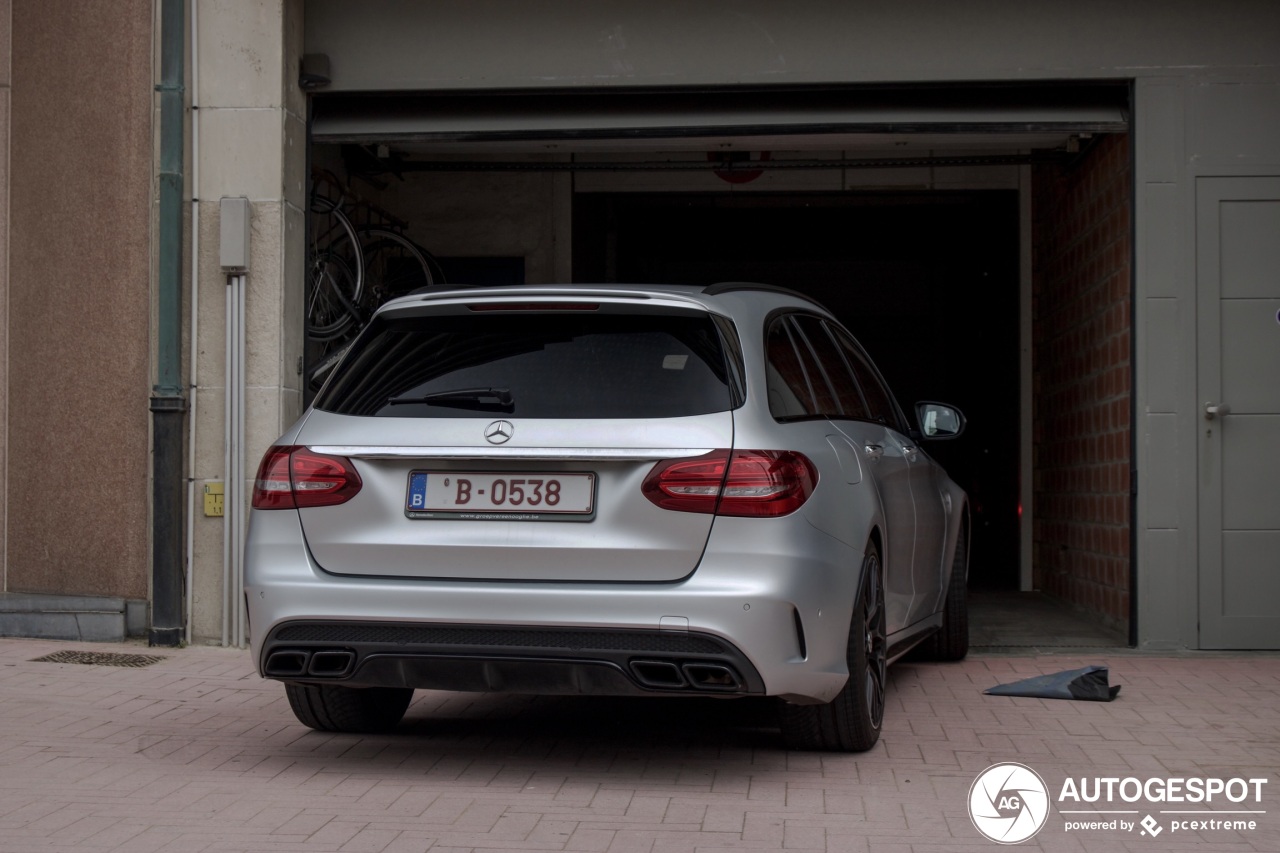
(233, 625)
(228, 441)
(168, 403)
(234, 225)
(194, 323)
(241, 491)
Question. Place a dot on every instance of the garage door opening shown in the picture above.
(927, 281)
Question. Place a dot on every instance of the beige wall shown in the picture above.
(79, 271)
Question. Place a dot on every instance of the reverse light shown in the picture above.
(294, 477)
(743, 483)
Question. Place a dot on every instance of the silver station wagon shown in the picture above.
(623, 490)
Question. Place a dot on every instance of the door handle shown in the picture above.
(909, 452)
(1212, 410)
(874, 452)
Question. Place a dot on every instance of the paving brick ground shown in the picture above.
(196, 753)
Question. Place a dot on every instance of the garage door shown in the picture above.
(778, 113)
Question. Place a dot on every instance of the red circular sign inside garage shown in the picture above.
(734, 166)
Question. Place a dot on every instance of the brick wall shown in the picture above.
(1082, 379)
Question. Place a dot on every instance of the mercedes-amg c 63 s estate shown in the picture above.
(613, 489)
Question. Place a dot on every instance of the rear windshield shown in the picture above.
(533, 365)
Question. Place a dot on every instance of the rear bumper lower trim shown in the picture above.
(511, 659)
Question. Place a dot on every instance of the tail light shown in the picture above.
(747, 483)
(293, 477)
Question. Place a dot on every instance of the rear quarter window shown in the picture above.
(539, 364)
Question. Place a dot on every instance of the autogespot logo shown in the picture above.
(1008, 803)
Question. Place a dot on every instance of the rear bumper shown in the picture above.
(765, 613)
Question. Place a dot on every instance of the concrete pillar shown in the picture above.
(252, 120)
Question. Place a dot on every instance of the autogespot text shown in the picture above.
(1130, 790)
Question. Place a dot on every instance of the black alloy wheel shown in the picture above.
(875, 641)
(851, 721)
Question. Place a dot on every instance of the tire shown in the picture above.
(951, 643)
(333, 708)
(851, 721)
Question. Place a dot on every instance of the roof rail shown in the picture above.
(436, 288)
(740, 286)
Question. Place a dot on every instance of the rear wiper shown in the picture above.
(498, 399)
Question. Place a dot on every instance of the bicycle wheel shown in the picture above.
(394, 264)
(336, 272)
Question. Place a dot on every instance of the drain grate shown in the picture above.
(100, 659)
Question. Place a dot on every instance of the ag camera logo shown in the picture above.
(1008, 803)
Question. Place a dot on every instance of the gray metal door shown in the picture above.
(1238, 310)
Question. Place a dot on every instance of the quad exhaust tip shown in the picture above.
(658, 673)
(302, 663)
(698, 675)
(332, 664)
(712, 676)
(287, 664)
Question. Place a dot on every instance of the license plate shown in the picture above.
(499, 496)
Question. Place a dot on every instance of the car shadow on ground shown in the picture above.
(658, 723)
(623, 722)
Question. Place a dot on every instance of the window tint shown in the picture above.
(790, 392)
(848, 399)
(544, 365)
(879, 402)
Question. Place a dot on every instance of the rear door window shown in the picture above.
(880, 405)
(790, 388)
(834, 368)
(534, 365)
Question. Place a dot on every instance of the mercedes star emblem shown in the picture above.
(499, 432)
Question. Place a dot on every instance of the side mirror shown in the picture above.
(938, 420)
